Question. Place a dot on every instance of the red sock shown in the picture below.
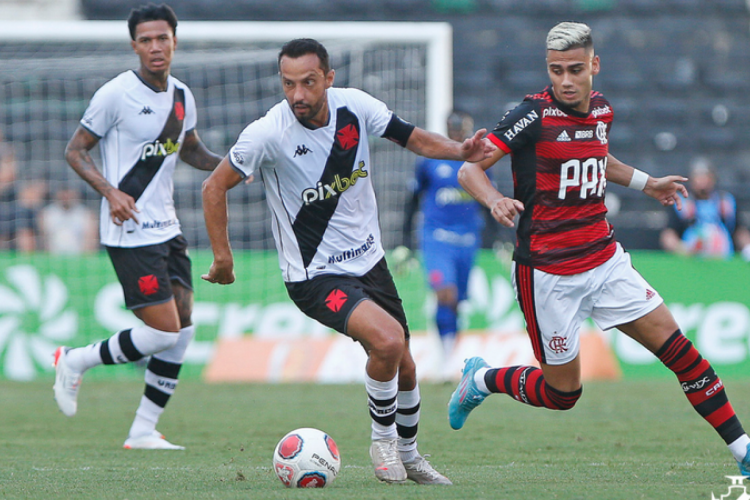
(703, 388)
(527, 385)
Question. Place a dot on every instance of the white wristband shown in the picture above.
(639, 180)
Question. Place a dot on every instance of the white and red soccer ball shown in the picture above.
(306, 458)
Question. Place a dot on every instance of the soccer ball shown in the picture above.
(306, 458)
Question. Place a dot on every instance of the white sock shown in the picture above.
(161, 381)
(479, 380)
(123, 347)
(381, 398)
(738, 447)
(407, 422)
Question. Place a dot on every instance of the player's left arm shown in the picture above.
(666, 190)
(432, 145)
(196, 154)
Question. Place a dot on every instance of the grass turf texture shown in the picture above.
(625, 440)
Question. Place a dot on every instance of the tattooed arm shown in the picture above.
(196, 154)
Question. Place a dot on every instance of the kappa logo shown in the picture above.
(148, 284)
(336, 300)
(563, 137)
(146, 111)
(348, 137)
(238, 158)
(737, 490)
(302, 150)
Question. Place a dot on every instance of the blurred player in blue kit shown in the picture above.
(451, 231)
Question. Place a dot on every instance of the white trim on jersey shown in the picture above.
(129, 117)
(292, 160)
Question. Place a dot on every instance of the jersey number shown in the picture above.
(588, 174)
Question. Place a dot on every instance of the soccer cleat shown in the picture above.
(467, 395)
(385, 460)
(745, 464)
(421, 472)
(153, 441)
(67, 383)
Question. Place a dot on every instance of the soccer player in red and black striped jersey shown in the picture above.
(568, 265)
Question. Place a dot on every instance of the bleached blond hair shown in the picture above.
(569, 35)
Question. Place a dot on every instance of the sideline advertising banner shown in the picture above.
(49, 301)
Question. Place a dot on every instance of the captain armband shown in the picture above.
(398, 130)
(639, 180)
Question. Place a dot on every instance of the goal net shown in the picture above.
(49, 72)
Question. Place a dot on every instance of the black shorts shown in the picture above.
(331, 298)
(146, 273)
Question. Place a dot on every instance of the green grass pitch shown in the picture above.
(624, 440)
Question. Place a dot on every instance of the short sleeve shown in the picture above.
(376, 114)
(253, 147)
(518, 128)
(101, 115)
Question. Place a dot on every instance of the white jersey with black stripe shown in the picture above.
(140, 131)
(318, 184)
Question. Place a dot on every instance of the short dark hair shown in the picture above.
(302, 46)
(151, 12)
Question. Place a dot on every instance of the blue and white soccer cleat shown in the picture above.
(745, 464)
(467, 395)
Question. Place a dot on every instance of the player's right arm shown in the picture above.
(215, 188)
(121, 205)
(475, 181)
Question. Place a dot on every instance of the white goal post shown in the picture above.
(437, 36)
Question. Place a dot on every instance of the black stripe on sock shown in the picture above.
(408, 411)
(383, 420)
(406, 432)
(158, 397)
(730, 430)
(489, 379)
(382, 402)
(164, 368)
(127, 346)
(105, 354)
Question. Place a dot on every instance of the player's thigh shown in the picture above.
(143, 273)
(624, 296)
(554, 308)
(439, 265)
(653, 329)
(376, 330)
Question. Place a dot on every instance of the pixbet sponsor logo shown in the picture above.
(158, 148)
(339, 185)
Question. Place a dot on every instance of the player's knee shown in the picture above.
(161, 341)
(389, 344)
(561, 400)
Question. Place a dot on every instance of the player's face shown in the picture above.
(154, 43)
(572, 75)
(305, 86)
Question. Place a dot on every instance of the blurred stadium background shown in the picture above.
(676, 71)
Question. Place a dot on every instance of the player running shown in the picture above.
(312, 153)
(142, 120)
(568, 265)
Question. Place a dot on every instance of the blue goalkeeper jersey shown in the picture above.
(444, 203)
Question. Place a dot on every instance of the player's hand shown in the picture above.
(667, 190)
(504, 210)
(221, 273)
(477, 147)
(403, 260)
(121, 207)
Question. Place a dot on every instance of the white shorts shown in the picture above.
(555, 306)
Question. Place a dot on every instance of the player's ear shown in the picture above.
(595, 65)
(329, 78)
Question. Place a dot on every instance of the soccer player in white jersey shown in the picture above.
(312, 153)
(142, 120)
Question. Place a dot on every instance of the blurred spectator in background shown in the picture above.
(707, 224)
(67, 226)
(451, 231)
(17, 225)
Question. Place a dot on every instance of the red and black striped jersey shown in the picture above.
(559, 161)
